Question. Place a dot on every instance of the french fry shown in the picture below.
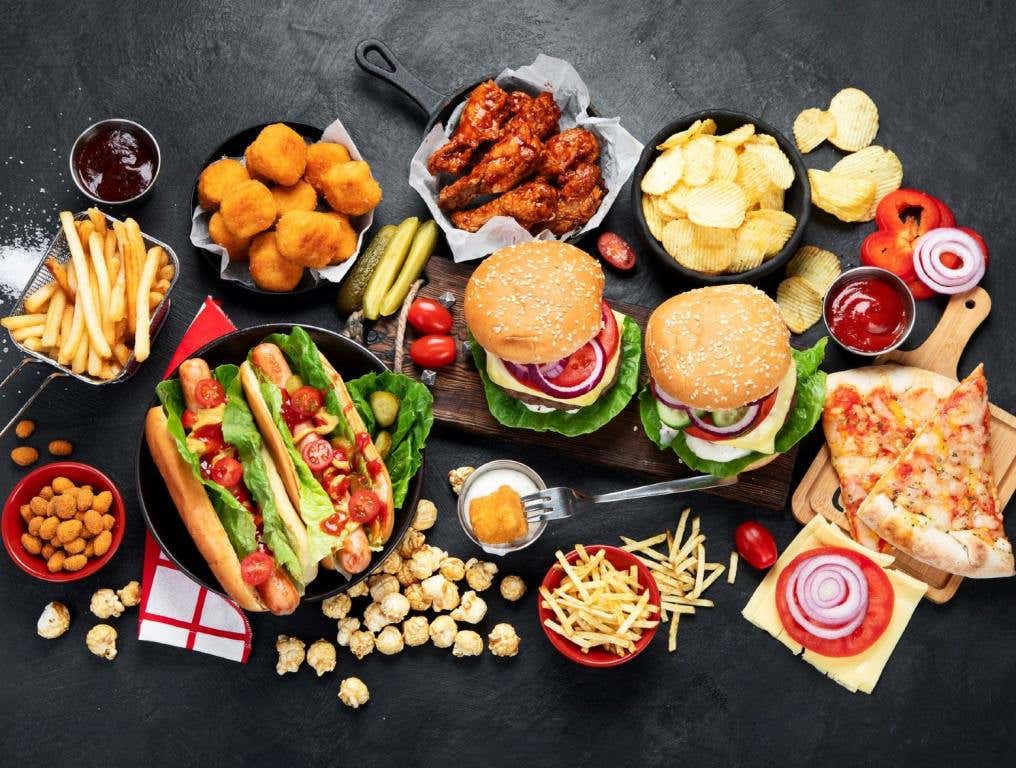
(732, 570)
(142, 340)
(95, 245)
(29, 332)
(34, 344)
(161, 286)
(53, 317)
(154, 299)
(14, 322)
(121, 353)
(94, 363)
(117, 304)
(134, 258)
(166, 273)
(59, 272)
(85, 296)
(80, 359)
(38, 300)
(85, 230)
(70, 342)
(98, 222)
(109, 252)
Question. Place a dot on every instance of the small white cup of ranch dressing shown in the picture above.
(488, 478)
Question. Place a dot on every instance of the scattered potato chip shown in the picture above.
(799, 302)
(818, 267)
(779, 226)
(717, 204)
(699, 160)
(772, 199)
(652, 215)
(680, 138)
(725, 162)
(812, 127)
(848, 198)
(877, 164)
(778, 167)
(738, 136)
(711, 250)
(856, 118)
(665, 172)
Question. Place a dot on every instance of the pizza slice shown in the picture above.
(871, 414)
(938, 502)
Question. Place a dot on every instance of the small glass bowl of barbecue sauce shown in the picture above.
(869, 311)
(115, 161)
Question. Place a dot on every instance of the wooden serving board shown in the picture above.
(819, 491)
(459, 403)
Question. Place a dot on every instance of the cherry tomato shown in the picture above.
(364, 506)
(608, 335)
(433, 351)
(210, 435)
(616, 251)
(209, 393)
(189, 418)
(317, 453)
(256, 568)
(227, 472)
(333, 524)
(755, 544)
(307, 401)
(429, 316)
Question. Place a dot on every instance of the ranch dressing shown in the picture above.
(492, 479)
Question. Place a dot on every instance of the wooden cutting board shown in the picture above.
(819, 491)
(459, 404)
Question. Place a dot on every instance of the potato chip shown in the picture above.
(699, 160)
(654, 221)
(718, 203)
(877, 164)
(665, 172)
(812, 127)
(710, 251)
(752, 240)
(678, 199)
(677, 236)
(778, 167)
(725, 162)
(818, 267)
(752, 176)
(683, 137)
(779, 226)
(772, 199)
(848, 198)
(738, 136)
(856, 118)
(800, 304)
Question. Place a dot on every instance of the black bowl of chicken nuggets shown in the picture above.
(283, 202)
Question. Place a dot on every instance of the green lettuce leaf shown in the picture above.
(235, 519)
(409, 433)
(239, 430)
(809, 398)
(513, 413)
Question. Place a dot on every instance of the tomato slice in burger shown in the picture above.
(317, 453)
(227, 472)
(765, 406)
(578, 367)
(209, 393)
(364, 505)
(256, 568)
(307, 401)
(608, 336)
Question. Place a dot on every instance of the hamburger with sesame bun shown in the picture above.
(726, 391)
(550, 351)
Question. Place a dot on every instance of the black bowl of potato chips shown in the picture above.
(721, 197)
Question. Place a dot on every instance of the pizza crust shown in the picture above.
(898, 378)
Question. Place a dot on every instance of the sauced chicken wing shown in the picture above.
(540, 114)
(568, 149)
(579, 197)
(510, 161)
(481, 121)
(529, 204)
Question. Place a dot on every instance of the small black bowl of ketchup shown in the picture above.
(115, 161)
(869, 311)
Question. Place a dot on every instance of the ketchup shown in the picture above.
(868, 314)
(116, 163)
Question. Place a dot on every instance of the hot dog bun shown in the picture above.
(295, 526)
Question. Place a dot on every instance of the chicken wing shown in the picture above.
(510, 161)
(482, 118)
(541, 114)
(580, 194)
(529, 204)
(567, 150)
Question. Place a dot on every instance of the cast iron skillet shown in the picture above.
(349, 359)
(234, 146)
(797, 200)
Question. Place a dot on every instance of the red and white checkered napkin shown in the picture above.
(176, 610)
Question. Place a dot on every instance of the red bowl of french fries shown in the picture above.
(599, 605)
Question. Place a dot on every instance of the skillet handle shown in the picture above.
(392, 71)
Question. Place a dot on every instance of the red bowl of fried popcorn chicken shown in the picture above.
(63, 521)
(566, 602)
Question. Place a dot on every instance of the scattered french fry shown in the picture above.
(732, 570)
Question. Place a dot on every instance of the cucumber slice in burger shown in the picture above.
(728, 417)
(672, 417)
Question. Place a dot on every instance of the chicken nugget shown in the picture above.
(309, 238)
(299, 197)
(320, 157)
(269, 270)
(247, 209)
(351, 189)
(221, 235)
(278, 153)
(217, 179)
(349, 240)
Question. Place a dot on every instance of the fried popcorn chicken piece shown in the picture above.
(467, 643)
(480, 575)
(472, 608)
(298, 197)
(395, 607)
(217, 179)
(444, 594)
(291, 654)
(353, 692)
(350, 188)
(60, 448)
(130, 595)
(361, 643)
(24, 429)
(223, 235)
(349, 241)
(416, 630)
(268, 269)
(101, 640)
(503, 640)
(389, 641)
(426, 515)
(321, 156)
(310, 238)
(512, 588)
(457, 478)
(321, 656)
(248, 208)
(279, 154)
(24, 455)
(347, 627)
(105, 604)
(443, 631)
(102, 501)
(54, 621)
(61, 484)
(336, 606)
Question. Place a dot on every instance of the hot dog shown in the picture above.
(227, 488)
(329, 465)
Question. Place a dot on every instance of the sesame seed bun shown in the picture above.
(535, 302)
(717, 348)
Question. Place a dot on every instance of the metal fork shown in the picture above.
(558, 503)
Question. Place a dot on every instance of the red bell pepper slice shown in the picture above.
(911, 211)
(890, 250)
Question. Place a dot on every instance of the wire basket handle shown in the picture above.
(38, 390)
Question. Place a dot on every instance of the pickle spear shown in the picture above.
(419, 254)
(388, 268)
(350, 298)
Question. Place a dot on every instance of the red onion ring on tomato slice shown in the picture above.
(545, 385)
(732, 429)
(933, 245)
(827, 595)
(553, 370)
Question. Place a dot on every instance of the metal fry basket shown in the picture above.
(59, 250)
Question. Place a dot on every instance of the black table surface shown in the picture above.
(195, 73)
